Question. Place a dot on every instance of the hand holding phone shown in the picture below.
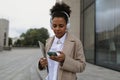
(58, 56)
(52, 53)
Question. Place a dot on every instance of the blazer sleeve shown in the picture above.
(77, 62)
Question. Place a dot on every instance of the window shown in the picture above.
(108, 33)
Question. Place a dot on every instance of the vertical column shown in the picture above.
(4, 28)
(1, 35)
(6, 33)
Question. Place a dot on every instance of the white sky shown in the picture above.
(25, 14)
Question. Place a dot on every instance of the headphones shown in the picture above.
(68, 22)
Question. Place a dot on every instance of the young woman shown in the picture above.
(65, 56)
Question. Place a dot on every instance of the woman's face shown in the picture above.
(59, 26)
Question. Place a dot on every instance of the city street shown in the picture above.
(21, 64)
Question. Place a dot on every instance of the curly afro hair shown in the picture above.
(58, 9)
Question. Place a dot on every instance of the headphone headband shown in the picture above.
(65, 13)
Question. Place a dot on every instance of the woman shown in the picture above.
(70, 57)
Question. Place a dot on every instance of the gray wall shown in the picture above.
(4, 28)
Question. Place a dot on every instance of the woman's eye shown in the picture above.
(61, 25)
(54, 26)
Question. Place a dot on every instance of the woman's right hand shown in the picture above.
(43, 62)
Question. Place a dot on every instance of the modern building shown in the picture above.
(4, 28)
(97, 24)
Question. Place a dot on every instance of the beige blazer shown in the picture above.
(74, 58)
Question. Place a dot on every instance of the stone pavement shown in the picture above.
(21, 64)
(93, 72)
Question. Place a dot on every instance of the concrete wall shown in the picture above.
(4, 28)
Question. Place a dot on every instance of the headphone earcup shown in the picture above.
(51, 22)
(68, 25)
(50, 25)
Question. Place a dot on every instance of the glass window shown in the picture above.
(108, 33)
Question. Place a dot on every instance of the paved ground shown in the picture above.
(93, 72)
(21, 64)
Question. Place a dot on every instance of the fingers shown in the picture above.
(59, 58)
(60, 52)
(43, 62)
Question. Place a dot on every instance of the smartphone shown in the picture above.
(52, 53)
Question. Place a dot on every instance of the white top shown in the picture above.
(53, 65)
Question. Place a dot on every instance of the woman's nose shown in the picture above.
(57, 28)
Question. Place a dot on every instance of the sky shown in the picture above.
(26, 14)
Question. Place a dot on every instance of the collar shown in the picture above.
(62, 39)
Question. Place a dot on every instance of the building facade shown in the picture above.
(97, 24)
(4, 28)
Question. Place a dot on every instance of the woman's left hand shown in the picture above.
(59, 58)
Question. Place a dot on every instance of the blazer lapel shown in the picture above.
(68, 44)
